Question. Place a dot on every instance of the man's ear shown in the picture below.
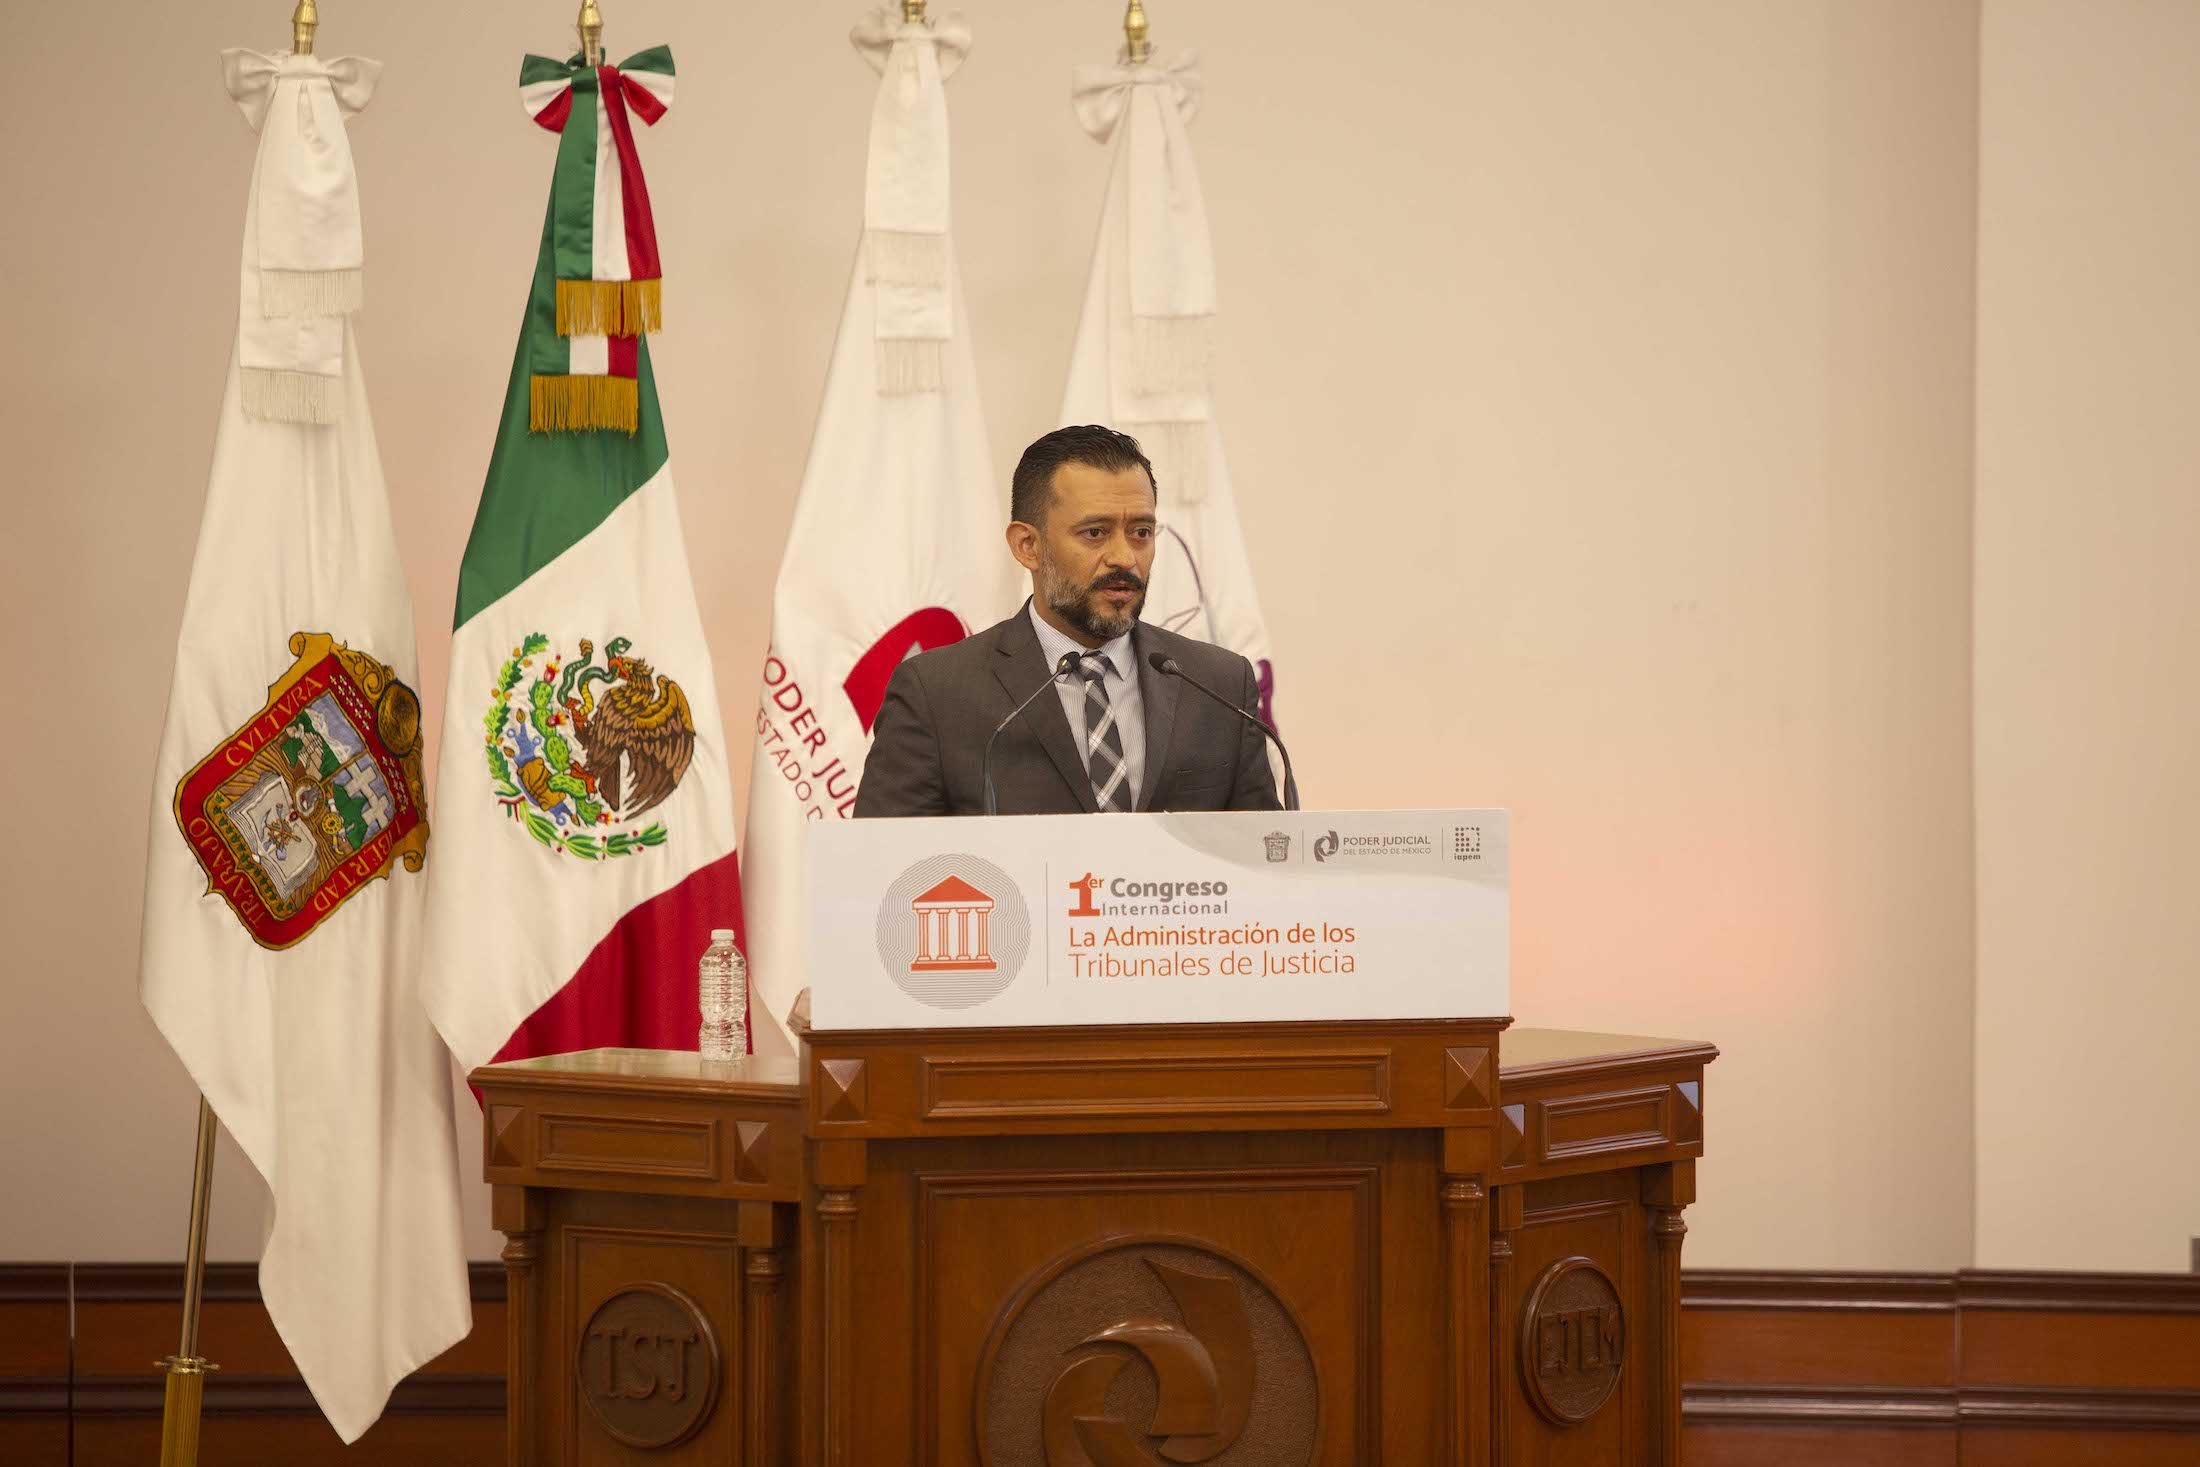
(1023, 543)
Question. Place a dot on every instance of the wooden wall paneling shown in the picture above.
(1992, 1367)
(34, 1362)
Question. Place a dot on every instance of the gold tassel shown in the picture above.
(583, 404)
(610, 307)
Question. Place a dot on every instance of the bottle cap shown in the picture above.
(721, 934)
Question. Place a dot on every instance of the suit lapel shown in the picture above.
(1160, 695)
(1019, 669)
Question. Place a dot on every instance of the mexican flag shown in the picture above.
(1143, 361)
(283, 880)
(896, 545)
(585, 831)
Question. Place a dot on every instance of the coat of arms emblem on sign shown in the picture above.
(315, 796)
(578, 768)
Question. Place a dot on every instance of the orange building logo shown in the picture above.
(954, 921)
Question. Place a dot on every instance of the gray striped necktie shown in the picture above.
(1111, 791)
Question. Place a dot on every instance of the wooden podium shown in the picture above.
(1407, 1243)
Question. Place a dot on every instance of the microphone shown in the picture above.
(1167, 666)
(1062, 669)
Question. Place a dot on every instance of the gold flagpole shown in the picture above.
(590, 25)
(187, 1369)
(1135, 47)
(179, 1417)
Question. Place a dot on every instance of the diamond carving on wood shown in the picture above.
(750, 1151)
(843, 1089)
(1467, 1073)
(1688, 1115)
(504, 1135)
(1512, 1135)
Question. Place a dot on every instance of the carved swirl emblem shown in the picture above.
(1141, 1354)
(648, 1366)
(1573, 1341)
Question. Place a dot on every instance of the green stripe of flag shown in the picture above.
(533, 69)
(573, 184)
(656, 58)
(546, 491)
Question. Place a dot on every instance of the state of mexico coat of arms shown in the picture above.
(580, 771)
(315, 796)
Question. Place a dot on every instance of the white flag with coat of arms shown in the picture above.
(283, 886)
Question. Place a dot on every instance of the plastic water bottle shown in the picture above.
(724, 989)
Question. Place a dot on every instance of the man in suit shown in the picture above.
(1116, 735)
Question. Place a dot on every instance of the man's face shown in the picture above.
(1090, 561)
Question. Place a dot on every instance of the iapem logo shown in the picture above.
(953, 931)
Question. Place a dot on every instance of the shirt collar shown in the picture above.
(1054, 644)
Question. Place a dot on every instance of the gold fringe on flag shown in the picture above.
(610, 307)
(583, 404)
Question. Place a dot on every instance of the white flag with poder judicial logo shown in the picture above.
(283, 885)
(896, 545)
(1143, 362)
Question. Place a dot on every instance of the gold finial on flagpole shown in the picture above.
(590, 25)
(1135, 47)
(304, 21)
(912, 12)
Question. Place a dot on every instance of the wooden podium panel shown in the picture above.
(1286, 1244)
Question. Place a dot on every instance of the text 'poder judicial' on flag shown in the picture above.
(586, 831)
(283, 885)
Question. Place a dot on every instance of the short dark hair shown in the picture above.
(1032, 488)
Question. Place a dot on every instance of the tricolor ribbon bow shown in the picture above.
(603, 235)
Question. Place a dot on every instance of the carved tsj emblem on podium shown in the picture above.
(648, 1366)
(1573, 1341)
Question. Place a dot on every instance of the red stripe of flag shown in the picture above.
(626, 356)
(553, 116)
(641, 225)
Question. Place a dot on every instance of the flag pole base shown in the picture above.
(187, 1369)
(179, 1413)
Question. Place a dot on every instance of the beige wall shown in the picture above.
(2088, 617)
(1598, 378)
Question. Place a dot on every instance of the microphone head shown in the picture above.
(1066, 663)
(1162, 662)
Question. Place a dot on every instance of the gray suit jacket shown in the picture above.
(929, 739)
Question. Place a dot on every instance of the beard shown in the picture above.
(1078, 603)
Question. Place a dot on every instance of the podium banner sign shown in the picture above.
(1168, 918)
